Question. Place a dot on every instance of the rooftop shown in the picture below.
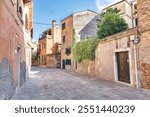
(78, 12)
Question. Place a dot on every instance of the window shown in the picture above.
(39, 46)
(64, 38)
(44, 45)
(135, 6)
(68, 61)
(26, 21)
(49, 33)
(19, 11)
(136, 21)
(68, 51)
(32, 33)
(19, 7)
(63, 26)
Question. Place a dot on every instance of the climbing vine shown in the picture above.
(85, 50)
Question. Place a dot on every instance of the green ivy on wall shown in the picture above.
(85, 50)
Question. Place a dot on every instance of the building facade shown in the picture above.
(128, 10)
(49, 46)
(144, 44)
(82, 25)
(12, 47)
(34, 50)
(126, 56)
(28, 34)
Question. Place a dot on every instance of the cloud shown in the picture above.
(104, 3)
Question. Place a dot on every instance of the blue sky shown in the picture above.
(44, 11)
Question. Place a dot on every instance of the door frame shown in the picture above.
(18, 66)
(63, 64)
(116, 65)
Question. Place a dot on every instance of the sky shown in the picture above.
(44, 11)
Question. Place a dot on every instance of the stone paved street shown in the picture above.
(56, 84)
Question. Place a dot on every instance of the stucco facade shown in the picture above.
(135, 42)
(105, 64)
(127, 11)
(12, 48)
(47, 42)
(28, 32)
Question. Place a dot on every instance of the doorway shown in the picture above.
(123, 67)
(18, 66)
(63, 64)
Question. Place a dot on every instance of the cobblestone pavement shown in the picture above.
(56, 84)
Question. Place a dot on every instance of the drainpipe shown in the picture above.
(136, 40)
(136, 66)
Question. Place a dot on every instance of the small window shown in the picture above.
(63, 26)
(19, 8)
(68, 61)
(44, 44)
(49, 33)
(136, 21)
(39, 46)
(26, 21)
(68, 51)
(64, 39)
(135, 6)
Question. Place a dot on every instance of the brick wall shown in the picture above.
(144, 45)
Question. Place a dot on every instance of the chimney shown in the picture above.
(54, 23)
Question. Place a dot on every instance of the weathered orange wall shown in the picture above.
(42, 50)
(11, 35)
(68, 33)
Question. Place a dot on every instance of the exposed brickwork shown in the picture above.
(144, 15)
(144, 45)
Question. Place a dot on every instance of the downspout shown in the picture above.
(136, 40)
(136, 66)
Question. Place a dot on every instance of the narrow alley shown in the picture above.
(57, 84)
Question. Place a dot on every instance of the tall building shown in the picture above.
(12, 46)
(28, 33)
(128, 10)
(49, 46)
(81, 24)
